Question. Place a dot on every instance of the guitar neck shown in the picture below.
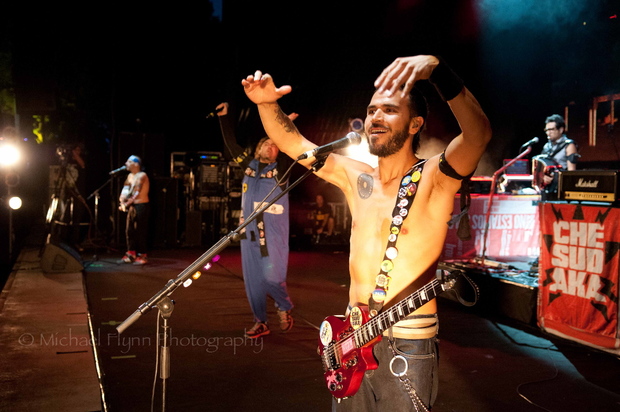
(384, 320)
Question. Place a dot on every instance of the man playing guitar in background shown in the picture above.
(559, 148)
(395, 117)
(134, 200)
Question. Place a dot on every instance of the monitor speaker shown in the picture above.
(60, 258)
(193, 228)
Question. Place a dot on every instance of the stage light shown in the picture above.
(361, 152)
(356, 125)
(9, 154)
(195, 276)
(15, 202)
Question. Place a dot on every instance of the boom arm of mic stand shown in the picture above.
(493, 185)
(173, 284)
(99, 189)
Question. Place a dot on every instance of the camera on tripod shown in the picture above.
(63, 151)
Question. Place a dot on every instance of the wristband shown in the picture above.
(447, 83)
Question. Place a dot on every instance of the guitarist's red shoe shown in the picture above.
(259, 329)
(286, 320)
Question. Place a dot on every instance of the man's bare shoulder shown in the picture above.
(141, 176)
(343, 170)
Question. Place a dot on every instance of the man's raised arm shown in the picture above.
(261, 90)
(463, 152)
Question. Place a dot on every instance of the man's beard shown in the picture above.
(392, 146)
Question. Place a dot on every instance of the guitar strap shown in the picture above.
(557, 150)
(404, 200)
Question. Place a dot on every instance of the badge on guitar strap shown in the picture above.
(355, 318)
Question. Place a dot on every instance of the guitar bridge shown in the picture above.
(330, 361)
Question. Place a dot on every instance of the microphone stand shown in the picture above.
(165, 306)
(97, 197)
(172, 284)
(482, 259)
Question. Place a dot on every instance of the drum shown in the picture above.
(542, 166)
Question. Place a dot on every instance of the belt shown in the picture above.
(412, 327)
(415, 327)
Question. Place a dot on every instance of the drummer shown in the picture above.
(559, 148)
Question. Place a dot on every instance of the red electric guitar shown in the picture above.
(345, 345)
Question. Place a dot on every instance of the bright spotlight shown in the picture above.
(9, 155)
(361, 152)
(15, 202)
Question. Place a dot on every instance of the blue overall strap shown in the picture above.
(262, 240)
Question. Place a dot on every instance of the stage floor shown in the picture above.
(488, 361)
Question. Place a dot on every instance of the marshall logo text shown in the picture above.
(586, 183)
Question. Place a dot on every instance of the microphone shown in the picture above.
(531, 142)
(115, 171)
(349, 139)
(212, 114)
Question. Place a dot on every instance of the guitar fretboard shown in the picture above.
(375, 326)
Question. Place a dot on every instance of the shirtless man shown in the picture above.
(393, 124)
(134, 199)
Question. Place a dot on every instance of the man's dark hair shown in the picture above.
(559, 121)
(418, 107)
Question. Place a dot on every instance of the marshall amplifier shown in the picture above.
(589, 185)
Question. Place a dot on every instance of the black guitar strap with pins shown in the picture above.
(404, 200)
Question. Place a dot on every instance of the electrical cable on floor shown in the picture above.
(537, 381)
(549, 348)
(307, 321)
(228, 270)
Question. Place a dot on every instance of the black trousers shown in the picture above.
(137, 227)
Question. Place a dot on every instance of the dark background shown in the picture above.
(142, 79)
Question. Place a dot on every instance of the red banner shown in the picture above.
(578, 267)
(513, 229)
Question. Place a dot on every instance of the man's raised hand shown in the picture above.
(260, 88)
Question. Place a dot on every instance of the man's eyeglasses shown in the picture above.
(551, 128)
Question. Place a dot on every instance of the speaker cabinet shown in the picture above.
(165, 210)
(193, 228)
(60, 258)
(590, 185)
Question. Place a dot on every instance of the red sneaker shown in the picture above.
(286, 320)
(141, 259)
(259, 329)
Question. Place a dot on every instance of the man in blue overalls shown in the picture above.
(264, 241)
